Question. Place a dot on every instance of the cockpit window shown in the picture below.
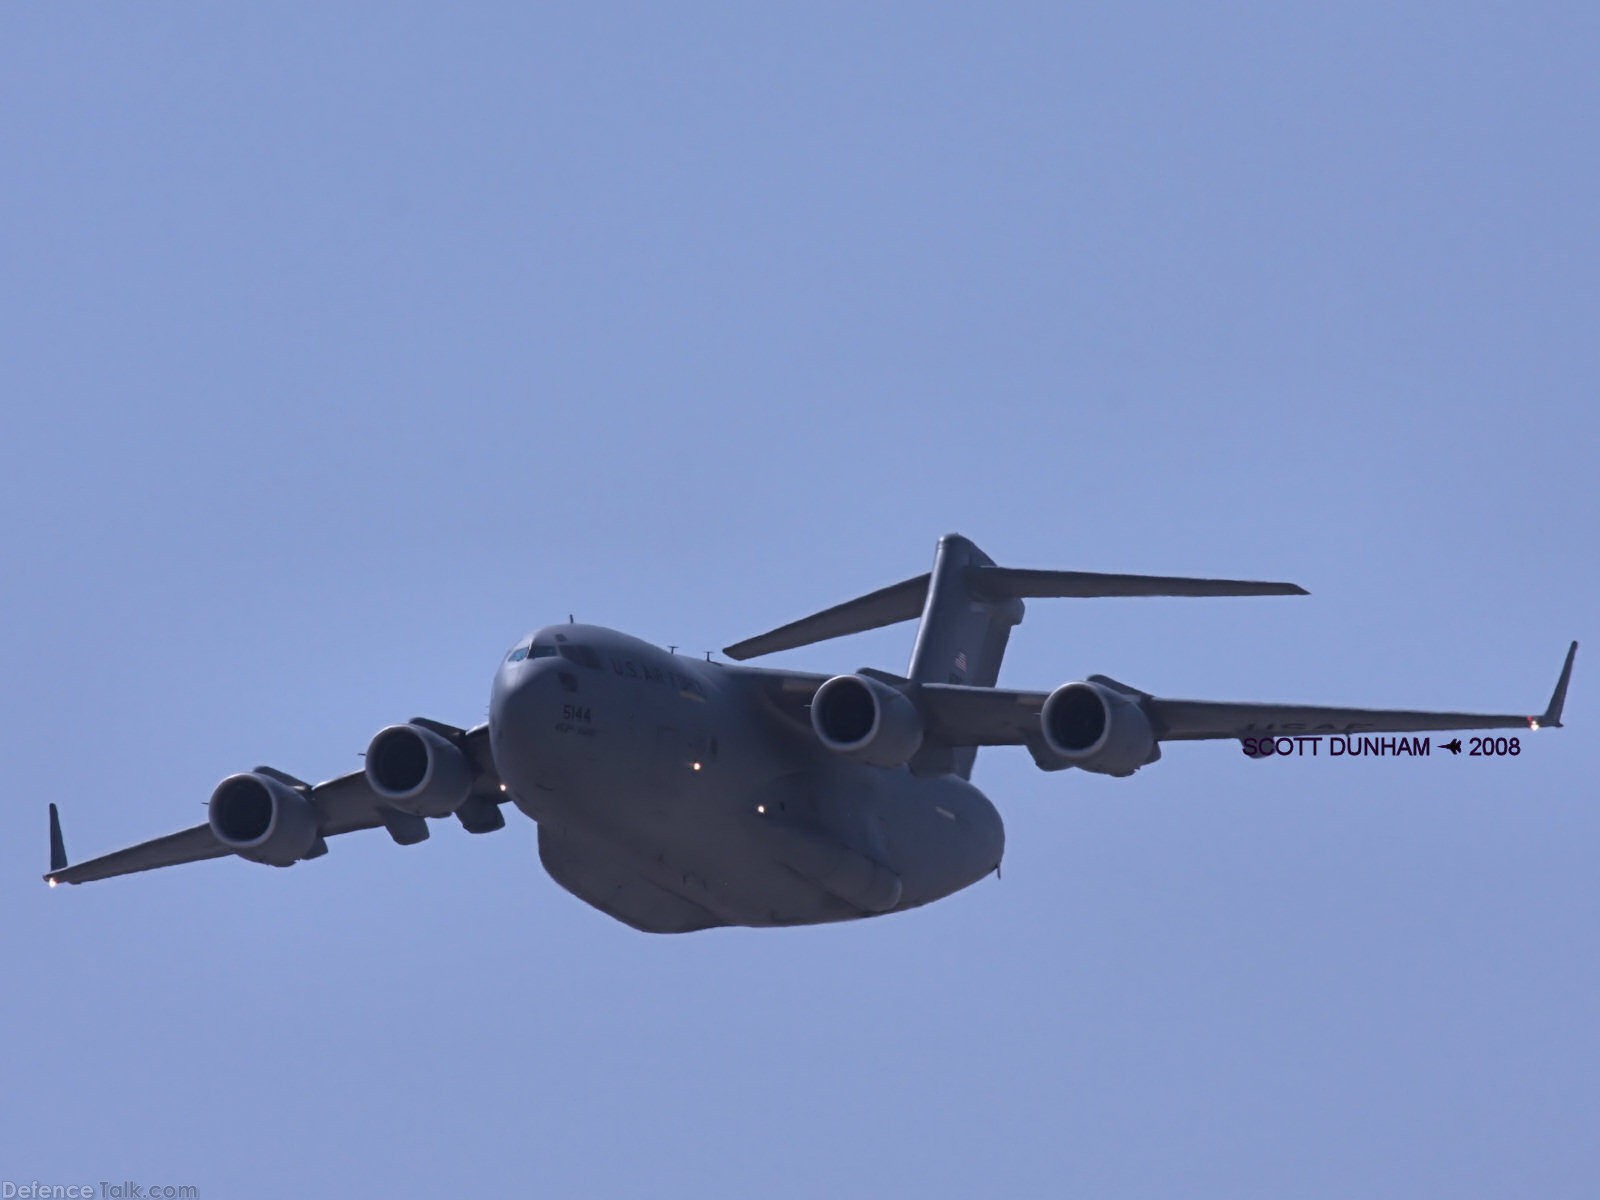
(537, 650)
(584, 656)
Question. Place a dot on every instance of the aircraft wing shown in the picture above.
(191, 845)
(970, 716)
(343, 805)
(786, 693)
(959, 715)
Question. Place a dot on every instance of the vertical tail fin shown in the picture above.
(961, 639)
(969, 606)
(963, 633)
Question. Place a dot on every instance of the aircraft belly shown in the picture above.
(601, 876)
(674, 808)
(683, 875)
(940, 839)
(936, 835)
(802, 850)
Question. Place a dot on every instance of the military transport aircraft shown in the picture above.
(675, 794)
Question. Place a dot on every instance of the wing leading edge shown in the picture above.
(904, 601)
(959, 715)
(344, 804)
(997, 717)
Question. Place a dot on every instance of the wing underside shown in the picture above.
(996, 717)
(958, 715)
(344, 804)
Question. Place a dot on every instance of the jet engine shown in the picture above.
(418, 771)
(863, 719)
(261, 819)
(1091, 726)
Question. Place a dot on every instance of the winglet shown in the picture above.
(58, 848)
(1558, 698)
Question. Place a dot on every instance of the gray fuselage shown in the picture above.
(670, 794)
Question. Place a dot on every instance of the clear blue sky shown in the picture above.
(343, 344)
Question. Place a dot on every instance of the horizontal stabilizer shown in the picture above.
(905, 600)
(1023, 584)
(886, 606)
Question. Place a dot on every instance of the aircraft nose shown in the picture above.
(524, 709)
(534, 689)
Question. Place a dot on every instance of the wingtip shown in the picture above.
(58, 847)
(1558, 698)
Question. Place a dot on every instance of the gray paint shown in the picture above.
(660, 781)
(676, 795)
(961, 640)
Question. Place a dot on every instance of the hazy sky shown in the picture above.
(343, 344)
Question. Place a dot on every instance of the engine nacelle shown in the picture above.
(869, 721)
(261, 819)
(417, 771)
(1090, 726)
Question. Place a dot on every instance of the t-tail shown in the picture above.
(968, 606)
